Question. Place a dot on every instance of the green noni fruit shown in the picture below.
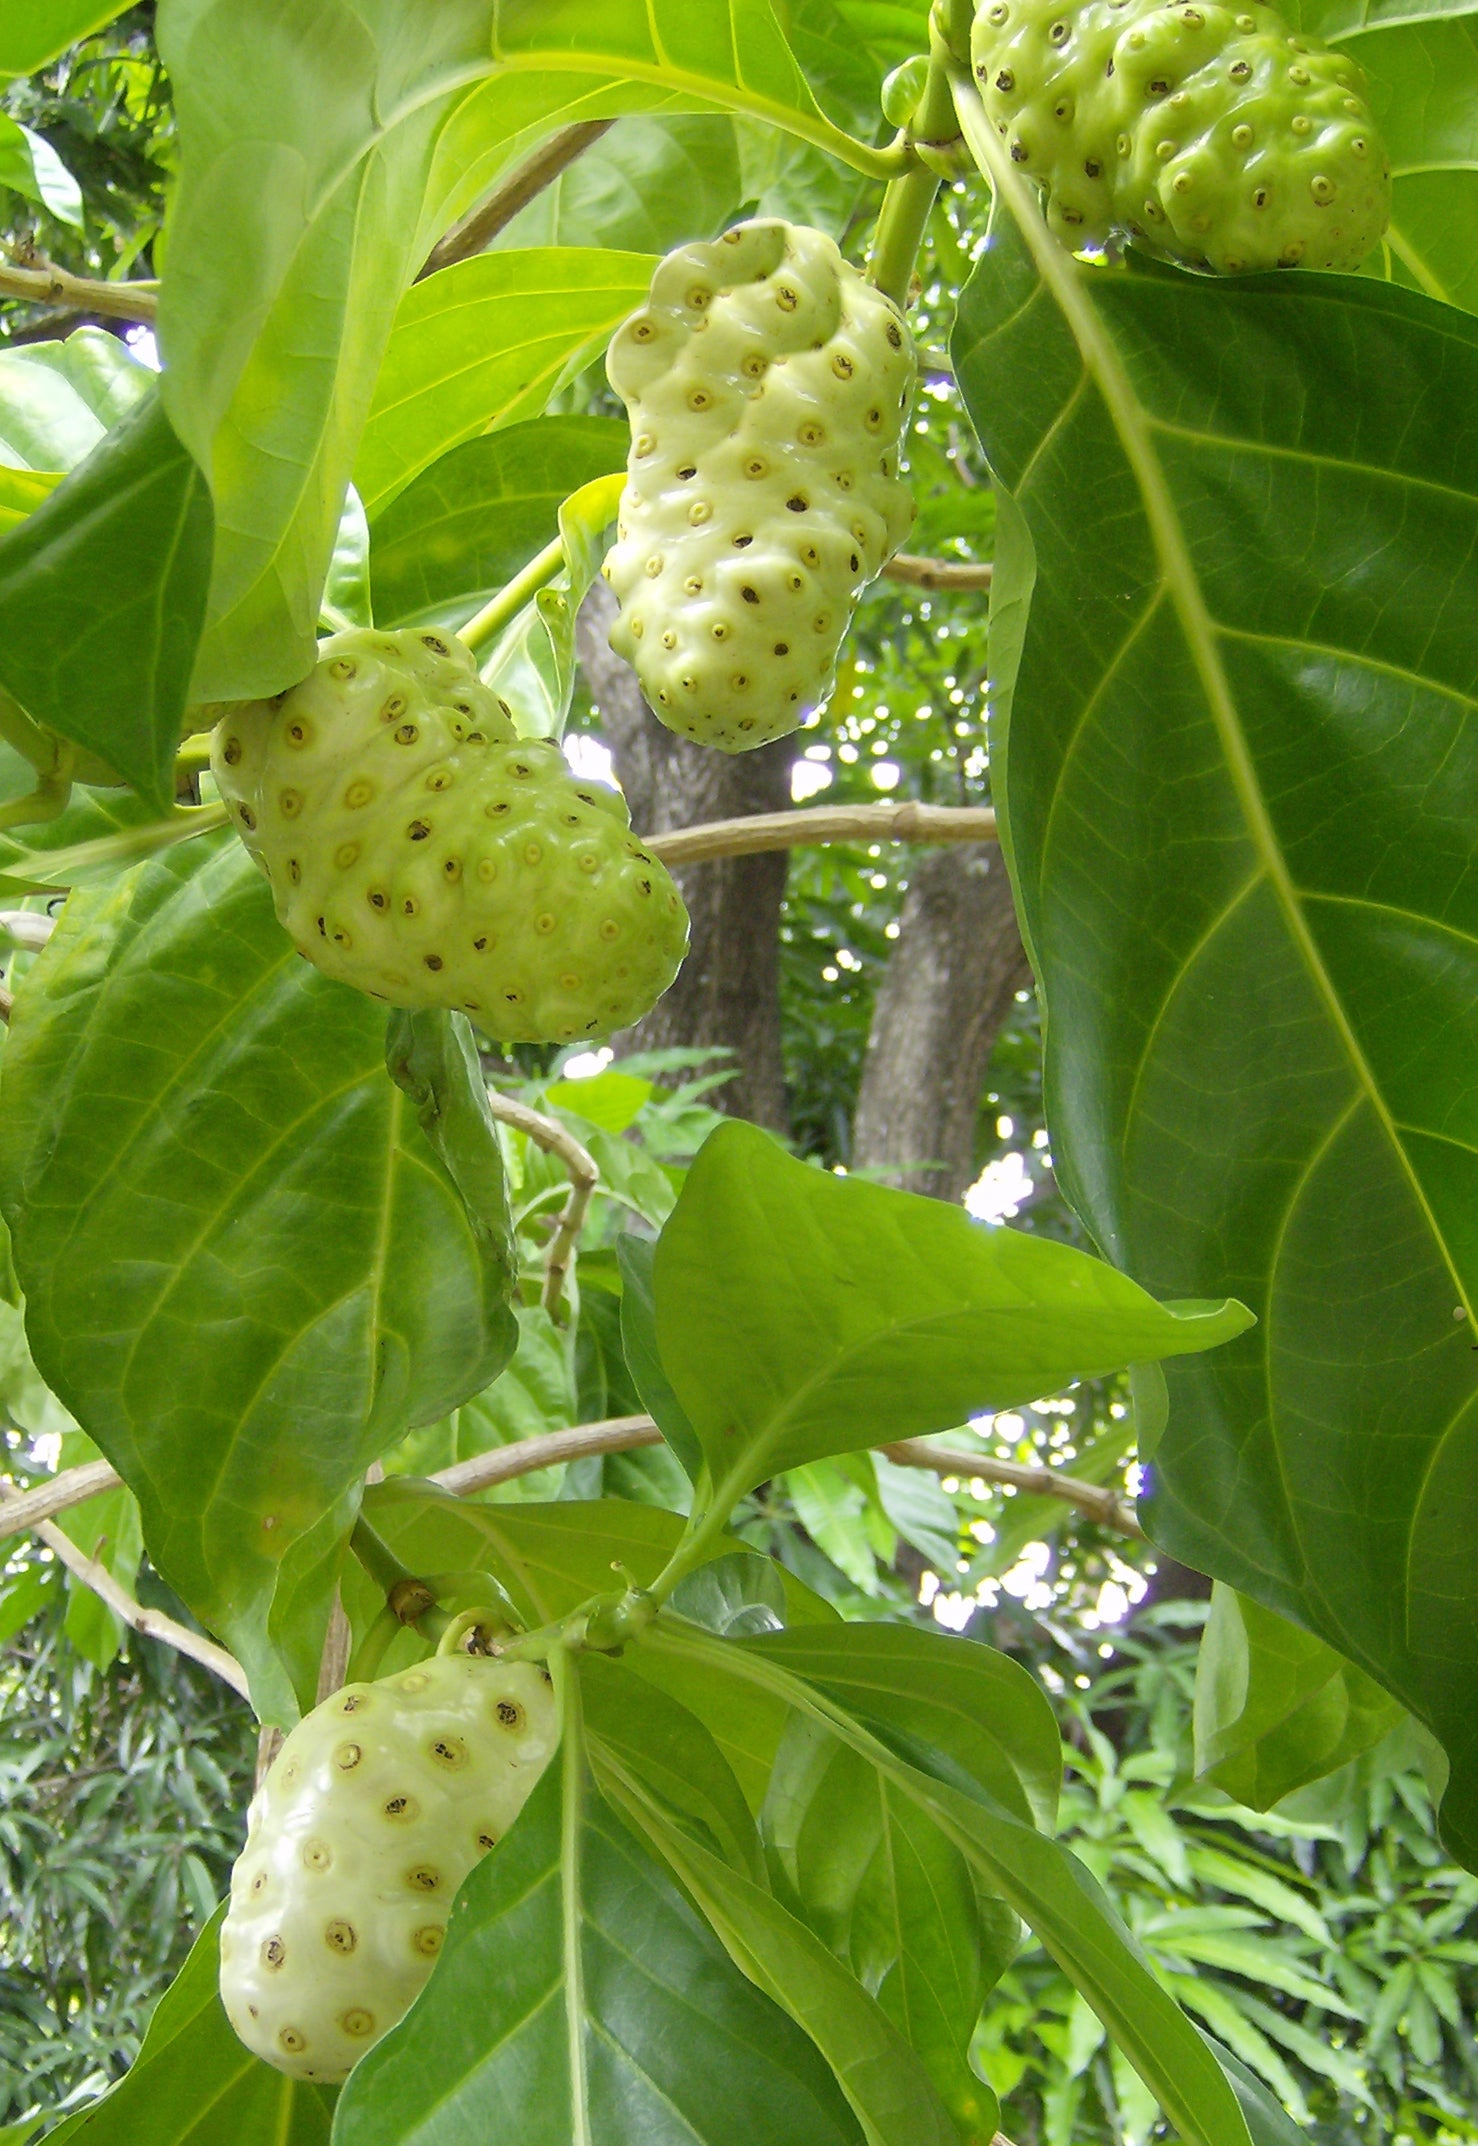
(374, 1811)
(1213, 135)
(422, 851)
(768, 386)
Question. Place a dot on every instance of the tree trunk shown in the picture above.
(728, 993)
(956, 967)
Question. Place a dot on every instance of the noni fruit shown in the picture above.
(768, 386)
(373, 1812)
(1213, 135)
(420, 850)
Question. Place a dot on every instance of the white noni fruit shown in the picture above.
(768, 386)
(1213, 135)
(422, 851)
(376, 1807)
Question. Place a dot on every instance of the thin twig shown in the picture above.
(481, 226)
(24, 1509)
(617, 1434)
(84, 294)
(1100, 1504)
(821, 824)
(555, 1139)
(920, 573)
(154, 1624)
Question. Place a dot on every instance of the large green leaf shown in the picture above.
(35, 31)
(983, 1710)
(578, 1998)
(638, 1734)
(1275, 1707)
(647, 185)
(102, 595)
(801, 1314)
(875, 1878)
(483, 344)
(58, 399)
(306, 140)
(723, 53)
(476, 517)
(1235, 761)
(194, 2084)
(247, 1270)
(891, 2092)
(1038, 1877)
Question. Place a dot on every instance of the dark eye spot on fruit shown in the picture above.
(418, 830)
(432, 961)
(510, 1713)
(436, 645)
(407, 734)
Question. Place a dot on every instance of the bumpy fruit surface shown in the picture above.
(374, 1811)
(1214, 135)
(768, 387)
(418, 849)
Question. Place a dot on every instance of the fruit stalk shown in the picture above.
(485, 625)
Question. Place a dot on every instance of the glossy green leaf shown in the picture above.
(637, 1256)
(1266, 2122)
(646, 186)
(1233, 753)
(613, 1100)
(21, 491)
(640, 1736)
(1275, 1707)
(801, 1314)
(346, 593)
(731, 54)
(578, 1997)
(533, 1394)
(475, 518)
(1036, 1876)
(307, 147)
(58, 399)
(1423, 80)
(30, 166)
(890, 2092)
(102, 595)
(483, 344)
(877, 1880)
(982, 1709)
(832, 1508)
(35, 31)
(247, 1271)
(194, 2084)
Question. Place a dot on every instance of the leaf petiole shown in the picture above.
(486, 624)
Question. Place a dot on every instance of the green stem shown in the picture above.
(374, 1646)
(489, 622)
(25, 737)
(705, 1526)
(905, 212)
(409, 1597)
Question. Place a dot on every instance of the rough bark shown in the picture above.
(728, 993)
(956, 967)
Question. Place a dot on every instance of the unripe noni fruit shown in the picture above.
(374, 1811)
(418, 849)
(1215, 136)
(769, 387)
